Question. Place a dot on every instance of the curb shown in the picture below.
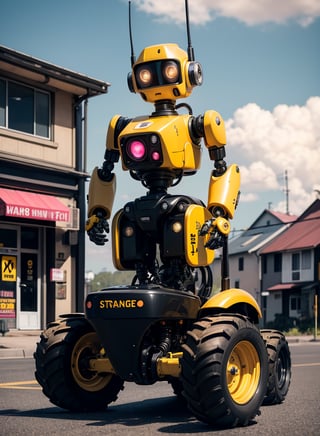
(15, 353)
(300, 339)
(19, 344)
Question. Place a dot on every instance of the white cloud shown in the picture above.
(248, 197)
(270, 143)
(249, 12)
(258, 176)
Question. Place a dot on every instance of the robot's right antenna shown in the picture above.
(190, 48)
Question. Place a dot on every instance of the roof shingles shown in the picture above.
(304, 233)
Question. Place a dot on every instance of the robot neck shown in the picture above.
(164, 107)
(158, 181)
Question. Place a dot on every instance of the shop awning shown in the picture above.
(29, 205)
(283, 286)
(307, 286)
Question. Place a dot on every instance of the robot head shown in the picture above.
(164, 72)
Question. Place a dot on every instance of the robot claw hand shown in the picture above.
(97, 227)
(217, 229)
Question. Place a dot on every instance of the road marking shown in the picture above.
(306, 364)
(21, 385)
(25, 385)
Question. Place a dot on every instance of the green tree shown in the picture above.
(105, 279)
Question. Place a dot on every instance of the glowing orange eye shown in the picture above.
(170, 72)
(144, 77)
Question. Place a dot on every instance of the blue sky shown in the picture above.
(261, 72)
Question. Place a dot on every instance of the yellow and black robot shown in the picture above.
(159, 150)
(166, 325)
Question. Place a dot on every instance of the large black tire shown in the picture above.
(224, 370)
(61, 360)
(177, 388)
(279, 376)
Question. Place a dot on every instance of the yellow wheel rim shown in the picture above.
(88, 346)
(243, 372)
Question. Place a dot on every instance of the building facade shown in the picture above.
(291, 270)
(244, 251)
(43, 122)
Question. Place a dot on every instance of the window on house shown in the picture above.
(295, 303)
(295, 261)
(240, 263)
(24, 109)
(42, 103)
(277, 262)
(300, 261)
(295, 266)
(306, 259)
(264, 264)
(2, 103)
(237, 284)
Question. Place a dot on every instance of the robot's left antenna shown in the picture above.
(133, 57)
(190, 48)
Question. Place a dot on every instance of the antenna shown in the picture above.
(190, 48)
(133, 57)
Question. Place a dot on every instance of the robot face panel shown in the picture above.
(142, 151)
(163, 72)
(157, 73)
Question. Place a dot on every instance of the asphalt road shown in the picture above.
(151, 410)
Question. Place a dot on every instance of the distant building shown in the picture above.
(43, 122)
(291, 269)
(244, 251)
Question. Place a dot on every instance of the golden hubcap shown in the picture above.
(243, 372)
(87, 347)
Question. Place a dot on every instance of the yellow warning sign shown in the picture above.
(9, 268)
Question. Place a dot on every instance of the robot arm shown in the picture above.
(102, 186)
(223, 192)
(224, 185)
(100, 202)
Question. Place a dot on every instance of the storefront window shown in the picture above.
(8, 282)
(29, 237)
(8, 238)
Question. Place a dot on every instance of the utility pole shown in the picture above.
(286, 191)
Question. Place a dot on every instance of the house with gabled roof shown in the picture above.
(291, 269)
(244, 251)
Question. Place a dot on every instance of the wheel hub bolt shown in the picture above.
(233, 370)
